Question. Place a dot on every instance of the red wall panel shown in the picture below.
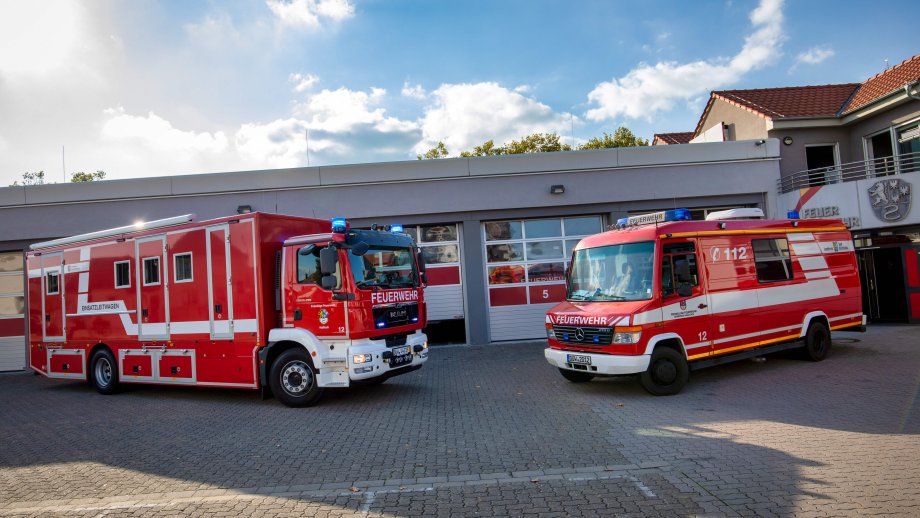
(12, 326)
(443, 276)
(507, 296)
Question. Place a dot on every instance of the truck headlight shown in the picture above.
(361, 358)
(626, 335)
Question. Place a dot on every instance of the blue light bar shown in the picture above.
(339, 225)
(656, 217)
(396, 229)
(381, 324)
(792, 214)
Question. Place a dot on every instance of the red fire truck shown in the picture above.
(662, 295)
(284, 304)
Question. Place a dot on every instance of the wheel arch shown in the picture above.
(814, 316)
(670, 340)
(92, 352)
(281, 340)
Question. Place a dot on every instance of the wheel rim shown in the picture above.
(296, 378)
(664, 372)
(103, 372)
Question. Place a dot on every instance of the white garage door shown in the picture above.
(440, 245)
(525, 270)
(12, 318)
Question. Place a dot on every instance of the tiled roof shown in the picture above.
(884, 83)
(792, 101)
(682, 137)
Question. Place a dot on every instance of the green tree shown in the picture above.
(79, 177)
(622, 137)
(31, 179)
(486, 149)
(439, 151)
(536, 143)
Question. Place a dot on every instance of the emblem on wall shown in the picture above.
(890, 199)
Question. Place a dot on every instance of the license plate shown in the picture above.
(580, 359)
(400, 351)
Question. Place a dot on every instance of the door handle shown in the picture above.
(298, 315)
(47, 317)
(144, 312)
(703, 306)
(218, 308)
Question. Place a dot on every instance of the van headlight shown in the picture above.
(626, 335)
(549, 332)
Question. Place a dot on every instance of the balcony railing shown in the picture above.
(850, 172)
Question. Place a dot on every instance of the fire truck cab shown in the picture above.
(287, 305)
(661, 295)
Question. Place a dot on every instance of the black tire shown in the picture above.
(293, 379)
(103, 372)
(667, 372)
(576, 376)
(817, 342)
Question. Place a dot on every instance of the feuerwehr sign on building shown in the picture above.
(870, 203)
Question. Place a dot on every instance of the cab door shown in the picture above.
(152, 288)
(53, 318)
(685, 300)
(309, 306)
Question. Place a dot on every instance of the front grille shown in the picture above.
(592, 335)
(395, 340)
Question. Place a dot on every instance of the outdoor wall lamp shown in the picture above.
(787, 141)
(244, 209)
(557, 189)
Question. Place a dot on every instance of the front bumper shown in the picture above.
(608, 364)
(379, 366)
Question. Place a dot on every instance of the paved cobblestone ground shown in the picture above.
(485, 431)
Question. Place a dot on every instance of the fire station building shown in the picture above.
(496, 231)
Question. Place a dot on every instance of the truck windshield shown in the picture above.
(384, 267)
(612, 273)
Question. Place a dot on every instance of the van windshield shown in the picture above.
(384, 267)
(612, 273)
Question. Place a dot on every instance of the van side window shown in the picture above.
(123, 274)
(308, 269)
(52, 286)
(771, 258)
(671, 253)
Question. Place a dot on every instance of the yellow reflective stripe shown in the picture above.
(751, 231)
(745, 346)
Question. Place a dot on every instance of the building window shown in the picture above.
(821, 162)
(151, 271)
(52, 286)
(909, 148)
(771, 259)
(12, 301)
(123, 274)
(183, 267)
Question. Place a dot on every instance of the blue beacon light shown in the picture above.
(339, 225)
(396, 229)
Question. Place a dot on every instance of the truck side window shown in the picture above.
(771, 259)
(673, 252)
(308, 269)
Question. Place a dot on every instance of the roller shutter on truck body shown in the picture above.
(525, 262)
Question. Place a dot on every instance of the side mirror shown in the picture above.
(360, 248)
(420, 259)
(328, 260)
(328, 282)
(682, 269)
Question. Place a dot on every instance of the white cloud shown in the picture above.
(466, 115)
(308, 13)
(153, 132)
(649, 89)
(814, 55)
(302, 83)
(413, 92)
(38, 37)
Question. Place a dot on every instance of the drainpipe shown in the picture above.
(907, 90)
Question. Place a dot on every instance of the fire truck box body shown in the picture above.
(215, 303)
(711, 291)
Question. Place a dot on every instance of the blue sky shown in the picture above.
(151, 88)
